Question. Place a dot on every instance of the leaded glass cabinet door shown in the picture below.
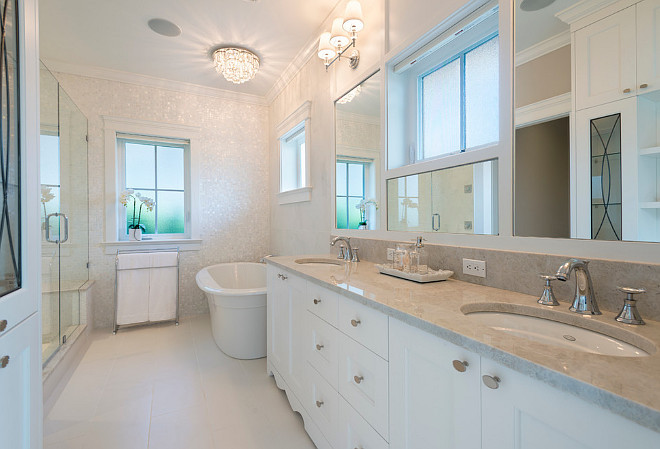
(603, 173)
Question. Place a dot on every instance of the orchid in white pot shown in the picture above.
(362, 205)
(135, 228)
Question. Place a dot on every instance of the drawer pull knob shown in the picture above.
(4, 361)
(319, 347)
(358, 379)
(355, 323)
(492, 382)
(460, 366)
(626, 91)
(317, 301)
(3, 325)
(284, 278)
(643, 86)
(319, 404)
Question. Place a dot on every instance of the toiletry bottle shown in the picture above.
(421, 260)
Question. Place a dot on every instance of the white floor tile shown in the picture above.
(167, 386)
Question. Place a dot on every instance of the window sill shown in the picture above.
(182, 244)
(295, 196)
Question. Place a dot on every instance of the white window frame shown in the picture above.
(297, 120)
(114, 165)
(122, 139)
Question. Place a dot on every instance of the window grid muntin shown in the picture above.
(347, 196)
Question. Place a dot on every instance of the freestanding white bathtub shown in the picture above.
(237, 299)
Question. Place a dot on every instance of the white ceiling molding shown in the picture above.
(304, 55)
(150, 81)
(544, 110)
(544, 47)
(584, 8)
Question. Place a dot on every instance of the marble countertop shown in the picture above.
(628, 386)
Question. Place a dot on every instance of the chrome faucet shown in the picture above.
(348, 255)
(585, 299)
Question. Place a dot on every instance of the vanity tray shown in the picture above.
(432, 276)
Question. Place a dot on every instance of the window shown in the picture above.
(294, 149)
(408, 199)
(459, 102)
(350, 191)
(292, 159)
(157, 168)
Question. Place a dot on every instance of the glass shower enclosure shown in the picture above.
(64, 214)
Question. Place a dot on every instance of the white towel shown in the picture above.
(136, 260)
(162, 294)
(163, 259)
(132, 295)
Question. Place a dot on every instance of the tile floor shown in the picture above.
(169, 386)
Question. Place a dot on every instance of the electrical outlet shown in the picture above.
(474, 267)
(390, 253)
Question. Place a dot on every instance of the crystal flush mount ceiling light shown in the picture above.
(237, 65)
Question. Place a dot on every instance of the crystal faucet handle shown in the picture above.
(629, 313)
(548, 297)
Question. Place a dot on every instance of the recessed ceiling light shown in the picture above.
(535, 5)
(164, 27)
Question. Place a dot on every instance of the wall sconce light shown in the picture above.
(333, 44)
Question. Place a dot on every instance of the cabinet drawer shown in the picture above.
(355, 432)
(322, 302)
(365, 325)
(363, 382)
(322, 404)
(321, 347)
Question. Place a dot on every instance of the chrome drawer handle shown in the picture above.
(319, 404)
(460, 366)
(355, 323)
(317, 301)
(3, 325)
(319, 347)
(4, 361)
(492, 382)
(358, 379)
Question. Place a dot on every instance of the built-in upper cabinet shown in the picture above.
(617, 57)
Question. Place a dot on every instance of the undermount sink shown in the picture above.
(578, 332)
(319, 261)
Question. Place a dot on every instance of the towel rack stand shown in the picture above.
(117, 270)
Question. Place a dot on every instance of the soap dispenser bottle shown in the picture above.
(419, 257)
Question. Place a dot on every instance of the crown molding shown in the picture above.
(543, 111)
(582, 9)
(544, 47)
(150, 81)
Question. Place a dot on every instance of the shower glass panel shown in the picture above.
(64, 210)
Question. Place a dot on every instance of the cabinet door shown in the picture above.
(432, 405)
(648, 46)
(528, 414)
(604, 63)
(278, 321)
(20, 380)
(295, 292)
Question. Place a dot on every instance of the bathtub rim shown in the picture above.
(207, 283)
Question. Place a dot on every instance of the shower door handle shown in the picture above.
(66, 227)
(433, 225)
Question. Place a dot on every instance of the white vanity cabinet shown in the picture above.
(433, 404)
(285, 330)
(528, 414)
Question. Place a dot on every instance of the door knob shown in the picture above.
(460, 366)
(492, 382)
(3, 325)
(4, 361)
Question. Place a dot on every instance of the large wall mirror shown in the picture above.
(358, 156)
(587, 120)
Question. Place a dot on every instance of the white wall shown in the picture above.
(233, 184)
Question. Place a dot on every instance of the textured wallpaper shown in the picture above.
(233, 184)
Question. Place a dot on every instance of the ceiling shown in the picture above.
(113, 34)
(533, 27)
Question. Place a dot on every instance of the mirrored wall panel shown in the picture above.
(597, 175)
(358, 156)
(459, 200)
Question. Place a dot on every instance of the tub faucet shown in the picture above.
(585, 299)
(348, 255)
